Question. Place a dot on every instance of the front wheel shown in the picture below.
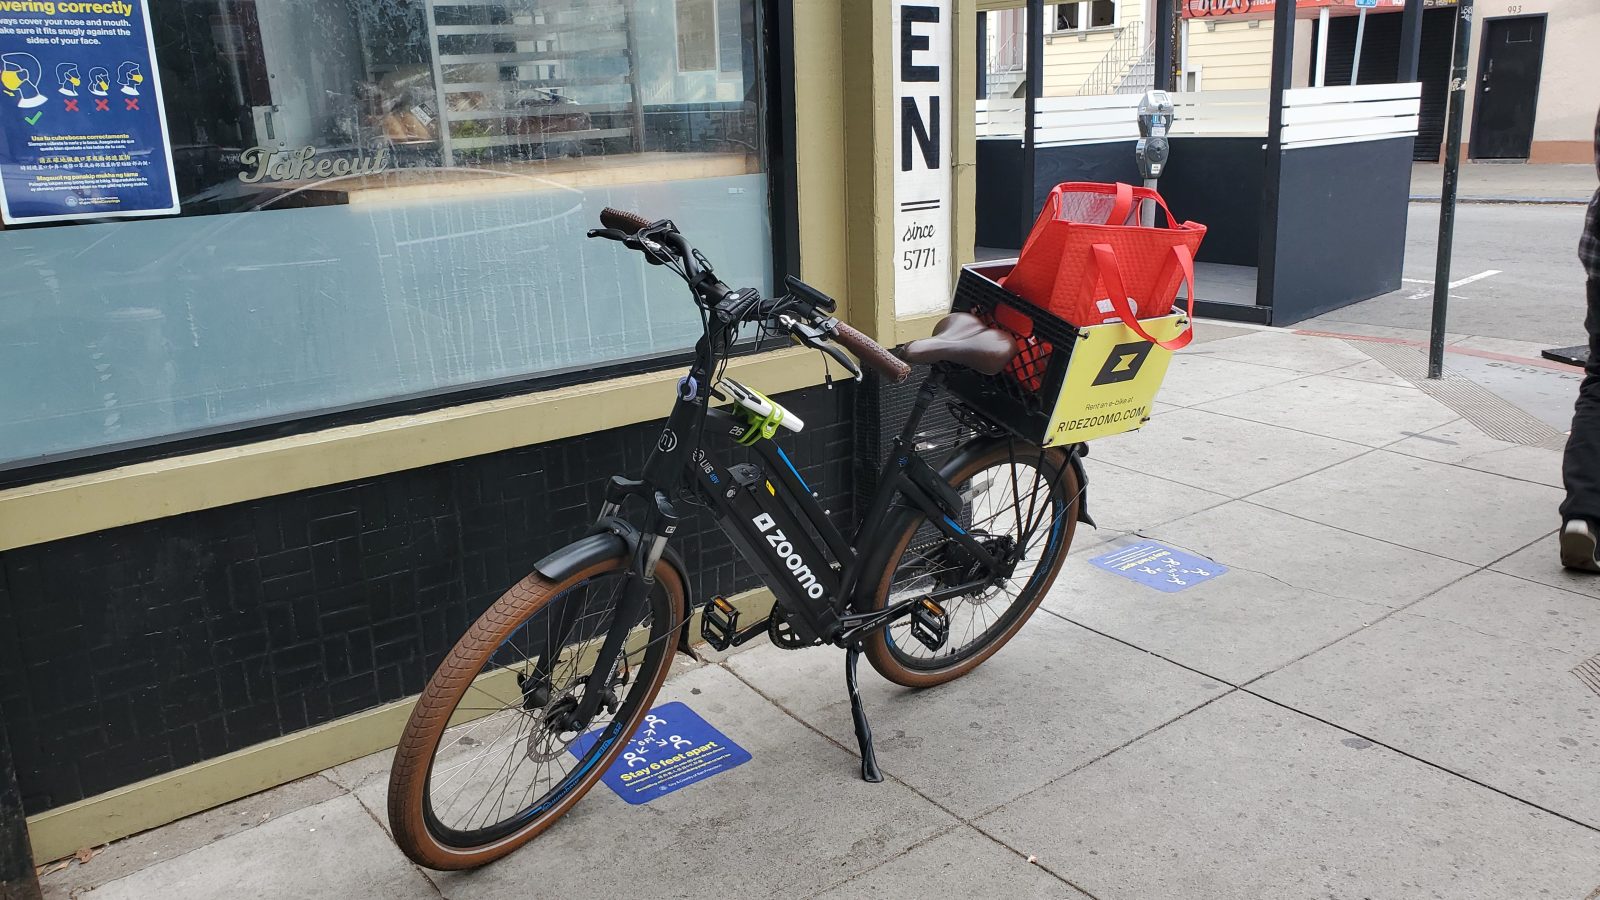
(492, 754)
(1017, 500)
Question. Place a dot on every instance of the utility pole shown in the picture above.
(1030, 112)
(1163, 45)
(1447, 197)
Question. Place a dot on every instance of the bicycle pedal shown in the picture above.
(930, 625)
(719, 624)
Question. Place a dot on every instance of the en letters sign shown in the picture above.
(923, 59)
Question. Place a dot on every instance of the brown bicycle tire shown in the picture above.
(876, 646)
(408, 778)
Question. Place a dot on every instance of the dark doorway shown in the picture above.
(1508, 87)
(1380, 63)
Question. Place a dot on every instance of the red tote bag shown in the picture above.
(1084, 262)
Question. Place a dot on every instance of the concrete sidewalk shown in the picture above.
(1383, 696)
(1507, 183)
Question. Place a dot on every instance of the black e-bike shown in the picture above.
(547, 687)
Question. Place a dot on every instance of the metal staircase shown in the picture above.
(1141, 77)
(1127, 63)
(1007, 53)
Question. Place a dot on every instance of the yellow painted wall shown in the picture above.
(1070, 57)
(1233, 57)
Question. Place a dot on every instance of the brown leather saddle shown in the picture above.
(963, 339)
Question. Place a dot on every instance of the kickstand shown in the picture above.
(869, 758)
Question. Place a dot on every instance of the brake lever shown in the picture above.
(816, 337)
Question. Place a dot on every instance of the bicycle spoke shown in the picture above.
(1016, 503)
(487, 772)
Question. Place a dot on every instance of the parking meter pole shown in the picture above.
(1361, 32)
(1447, 196)
(17, 880)
(1152, 150)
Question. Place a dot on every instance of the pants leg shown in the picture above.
(1580, 468)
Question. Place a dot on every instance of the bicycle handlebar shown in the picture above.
(626, 222)
(872, 353)
(627, 226)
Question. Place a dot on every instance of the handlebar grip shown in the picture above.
(871, 353)
(626, 222)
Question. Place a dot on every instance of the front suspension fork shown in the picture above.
(640, 581)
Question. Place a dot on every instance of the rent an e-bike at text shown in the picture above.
(944, 567)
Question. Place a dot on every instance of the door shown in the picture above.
(1508, 87)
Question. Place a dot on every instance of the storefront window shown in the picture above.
(383, 199)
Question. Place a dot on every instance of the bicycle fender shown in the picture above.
(1074, 456)
(613, 538)
(582, 554)
(1083, 485)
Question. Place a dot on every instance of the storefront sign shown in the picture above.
(672, 749)
(83, 132)
(1260, 9)
(922, 189)
(265, 164)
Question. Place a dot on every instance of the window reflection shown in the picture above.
(264, 97)
(385, 199)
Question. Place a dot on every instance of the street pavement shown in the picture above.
(1515, 270)
(1507, 183)
(1381, 697)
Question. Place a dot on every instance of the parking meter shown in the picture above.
(1155, 118)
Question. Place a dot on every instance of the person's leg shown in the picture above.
(1580, 467)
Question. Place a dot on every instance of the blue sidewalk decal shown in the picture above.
(672, 749)
(1159, 566)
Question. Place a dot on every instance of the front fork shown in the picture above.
(640, 580)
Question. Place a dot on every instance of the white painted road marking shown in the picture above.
(1486, 273)
(1418, 295)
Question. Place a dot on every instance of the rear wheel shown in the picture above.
(492, 755)
(1018, 501)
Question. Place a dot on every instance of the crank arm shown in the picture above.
(854, 627)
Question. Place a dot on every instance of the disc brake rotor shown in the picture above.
(547, 740)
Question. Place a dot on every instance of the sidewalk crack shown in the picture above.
(422, 873)
(964, 821)
(1490, 634)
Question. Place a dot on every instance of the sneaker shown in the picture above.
(1578, 546)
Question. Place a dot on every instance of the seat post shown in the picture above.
(919, 407)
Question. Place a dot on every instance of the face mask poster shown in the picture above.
(83, 133)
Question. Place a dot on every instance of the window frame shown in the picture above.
(1085, 10)
(775, 26)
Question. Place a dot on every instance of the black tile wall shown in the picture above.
(881, 409)
(139, 650)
